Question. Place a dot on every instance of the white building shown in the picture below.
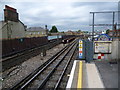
(36, 32)
(11, 29)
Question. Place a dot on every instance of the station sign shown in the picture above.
(103, 37)
(80, 49)
(103, 44)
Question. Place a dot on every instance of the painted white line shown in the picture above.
(69, 84)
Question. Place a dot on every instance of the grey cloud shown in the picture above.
(97, 5)
(36, 14)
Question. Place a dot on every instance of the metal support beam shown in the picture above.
(93, 28)
(113, 20)
(106, 12)
(103, 24)
(119, 14)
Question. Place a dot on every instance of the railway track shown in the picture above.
(53, 79)
(50, 74)
(21, 57)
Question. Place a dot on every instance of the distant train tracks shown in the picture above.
(18, 58)
(49, 74)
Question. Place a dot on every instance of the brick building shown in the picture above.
(115, 34)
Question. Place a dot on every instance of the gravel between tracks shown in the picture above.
(17, 73)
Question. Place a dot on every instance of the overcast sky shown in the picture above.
(66, 15)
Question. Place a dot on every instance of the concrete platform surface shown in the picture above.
(94, 78)
(84, 75)
(109, 73)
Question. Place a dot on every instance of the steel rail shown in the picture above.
(16, 59)
(62, 74)
(21, 52)
(31, 74)
(23, 83)
(52, 71)
(26, 51)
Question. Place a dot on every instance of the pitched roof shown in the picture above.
(35, 29)
(2, 24)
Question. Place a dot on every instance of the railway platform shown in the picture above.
(84, 75)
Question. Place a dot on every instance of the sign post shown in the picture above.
(102, 46)
(80, 49)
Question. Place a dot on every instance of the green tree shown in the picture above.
(62, 32)
(54, 29)
(107, 31)
(79, 30)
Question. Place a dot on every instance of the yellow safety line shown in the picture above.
(79, 84)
